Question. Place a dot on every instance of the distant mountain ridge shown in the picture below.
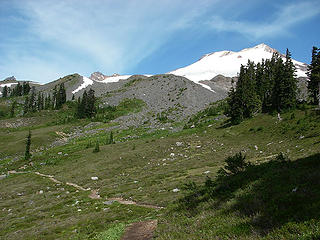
(214, 71)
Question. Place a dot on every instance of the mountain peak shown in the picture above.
(227, 63)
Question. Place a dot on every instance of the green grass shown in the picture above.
(125, 107)
(146, 166)
(113, 233)
(272, 200)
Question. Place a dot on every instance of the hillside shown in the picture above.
(157, 157)
(148, 168)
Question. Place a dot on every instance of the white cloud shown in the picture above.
(111, 36)
(278, 25)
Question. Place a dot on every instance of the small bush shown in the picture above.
(281, 157)
(96, 148)
(234, 164)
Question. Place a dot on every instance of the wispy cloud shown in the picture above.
(111, 36)
(46, 39)
(279, 23)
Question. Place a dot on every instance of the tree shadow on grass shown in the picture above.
(270, 194)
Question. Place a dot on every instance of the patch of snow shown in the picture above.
(227, 63)
(7, 84)
(115, 78)
(86, 82)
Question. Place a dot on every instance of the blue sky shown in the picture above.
(43, 40)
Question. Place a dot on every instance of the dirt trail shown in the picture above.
(94, 194)
(129, 202)
(140, 230)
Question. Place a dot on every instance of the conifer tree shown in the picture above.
(278, 93)
(96, 148)
(5, 92)
(314, 76)
(26, 105)
(27, 154)
(54, 97)
(111, 141)
(250, 99)
(90, 107)
(290, 84)
(25, 88)
(39, 102)
(32, 102)
(12, 109)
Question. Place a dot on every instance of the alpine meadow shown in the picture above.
(224, 147)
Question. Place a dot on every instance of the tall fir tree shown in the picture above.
(12, 109)
(314, 76)
(278, 93)
(32, 100)
(290, 82)
(26, 106)
(5, 92)
(27, 154)
(90, 107)
(25, 88)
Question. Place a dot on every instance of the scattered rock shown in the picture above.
(94, 178)
(256, 147)
(41, 192)
(175, 190)
(3, 177)
(109, 202)
(59, 153)
(179, 144)
(206, 172)
(172, 154)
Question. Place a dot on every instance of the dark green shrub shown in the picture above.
(234, 164)
(96, 148)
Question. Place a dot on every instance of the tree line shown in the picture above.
(37, 102)
(18, 90)
(270, 86)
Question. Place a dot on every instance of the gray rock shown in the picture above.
(3, 177)
(109, 202)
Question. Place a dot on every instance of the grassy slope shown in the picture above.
(146, 169)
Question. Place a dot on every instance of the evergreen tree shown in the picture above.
(314, 76)
(27, 154)
(12, 109)
(79, 111)
(83, 105)
(54, 97)
(278, 93)
(32, 100)
(48, 103)
(39, 102)
(25, 88)
(90, 107)
(290, 84)
(234, 108)
(111, 141)
(5, 92)
(250, 98)
(96, 148)
(26, 105)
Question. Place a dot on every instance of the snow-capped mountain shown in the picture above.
(227, 63)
